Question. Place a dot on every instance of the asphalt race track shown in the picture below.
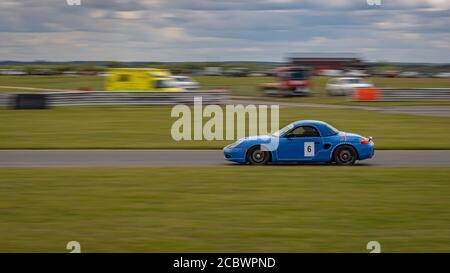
(138, 158)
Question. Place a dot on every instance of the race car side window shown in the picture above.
(304, 131)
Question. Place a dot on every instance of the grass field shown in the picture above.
(239, 86)
(150, 127)
(52, 82)
(225, 209)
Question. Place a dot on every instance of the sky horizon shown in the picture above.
(409, 31)
(226, 61)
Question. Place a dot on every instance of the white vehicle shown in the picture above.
(10, 72)
(409, 74)
(344, 86)
(442, 75)
(257, 74)
(70, 73)
(356, 73)
(213, 71)
(185, 82)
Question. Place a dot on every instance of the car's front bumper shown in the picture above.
(234, 154)
(366, 151)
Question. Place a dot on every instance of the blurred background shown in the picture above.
(86, 93)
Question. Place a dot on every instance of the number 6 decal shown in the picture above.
(309, 149)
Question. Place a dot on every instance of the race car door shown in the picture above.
(300, 144)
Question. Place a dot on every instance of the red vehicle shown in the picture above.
(292, 81)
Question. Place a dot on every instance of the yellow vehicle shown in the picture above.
(140, 79)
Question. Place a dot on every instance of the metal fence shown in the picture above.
(120, 98)
(5, 100)
(12, 100)
(414, 94)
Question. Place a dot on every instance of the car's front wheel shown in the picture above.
(345, 155)
(256, 156)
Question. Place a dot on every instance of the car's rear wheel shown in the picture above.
(345, 155)
(256, 156)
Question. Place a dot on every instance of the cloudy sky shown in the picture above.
(212, 30)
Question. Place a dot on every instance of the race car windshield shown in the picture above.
(283, 130)
(334, 130)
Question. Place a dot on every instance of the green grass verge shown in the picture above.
(279, 209)
(52, 82)
(150, 127)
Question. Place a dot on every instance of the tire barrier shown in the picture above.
(401, 94)
(72, 98)
(30, 101)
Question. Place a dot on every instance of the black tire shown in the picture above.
(256, 156)
(345, 155)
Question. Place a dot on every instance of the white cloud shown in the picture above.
(128, 15)
(178, 30)
(97, 14)
(435, 4)
(173, 34)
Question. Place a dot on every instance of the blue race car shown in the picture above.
(302, 141)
